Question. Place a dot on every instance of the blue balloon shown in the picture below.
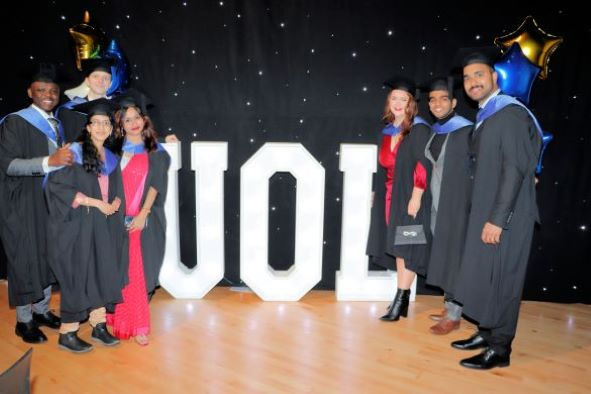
(516, 74)
(119, 71)
(546, 138)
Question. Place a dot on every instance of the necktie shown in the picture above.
(54, 125)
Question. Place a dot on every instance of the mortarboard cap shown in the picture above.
(46, 72)
(100, 106)
(488, 55)
(133, 98)
(399, 82)
(441, 82)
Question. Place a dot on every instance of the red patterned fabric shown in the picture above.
(420, 176)
(132, 316)
(387, 160)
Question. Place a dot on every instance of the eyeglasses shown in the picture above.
(105, 123)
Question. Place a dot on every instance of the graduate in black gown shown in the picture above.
(98, 78)
(399, 197)
(504, 148)
(447, 150)
(30, 147)
(86, 202)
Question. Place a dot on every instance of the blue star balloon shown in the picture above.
(516, 74)
(119, 71)
(546, 138)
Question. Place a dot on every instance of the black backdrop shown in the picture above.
(248, 72)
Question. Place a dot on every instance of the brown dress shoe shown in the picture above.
(439, 316)
(445, 326)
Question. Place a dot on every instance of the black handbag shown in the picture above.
(413, 234)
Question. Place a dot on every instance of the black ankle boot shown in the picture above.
(398, 307)
(72, 343)
(100, 334)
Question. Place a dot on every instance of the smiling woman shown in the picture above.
(86, 257)
(403, 170)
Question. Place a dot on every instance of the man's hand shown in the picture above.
(491, 234)
(61, 157)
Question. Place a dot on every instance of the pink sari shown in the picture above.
(132, 316)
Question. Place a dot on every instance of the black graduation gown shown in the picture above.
(378, 230)
(410, 151)
(153, 238)
(86, 253)
(491, 277)
(23, 213)
(72, 122)
(452, 213)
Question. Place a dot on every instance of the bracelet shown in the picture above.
(87, 205)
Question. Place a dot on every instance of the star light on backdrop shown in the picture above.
(330, 78)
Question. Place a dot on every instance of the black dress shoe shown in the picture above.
(488, 359)
(100, 334)
(476, 341)
(72, 343)
(48, 319)
(30, 332)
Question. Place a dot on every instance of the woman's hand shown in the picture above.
(105, 208)
(116, 203)
(414, 204)
(138, 223)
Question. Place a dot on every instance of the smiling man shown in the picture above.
(447, 149)
(504, 149)
(31, 145)
(97, 76)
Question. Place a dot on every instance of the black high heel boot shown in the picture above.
(398, 307)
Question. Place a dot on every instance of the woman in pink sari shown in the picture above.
(144, 166)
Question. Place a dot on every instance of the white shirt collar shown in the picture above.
(495, 93)
(42, 112)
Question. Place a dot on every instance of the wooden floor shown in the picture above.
(232, 342)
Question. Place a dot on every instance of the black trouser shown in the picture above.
(500, 338)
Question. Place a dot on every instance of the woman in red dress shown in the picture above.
(403, 173)
(144, 166)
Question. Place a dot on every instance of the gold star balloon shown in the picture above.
(535, 43)
(88, 40)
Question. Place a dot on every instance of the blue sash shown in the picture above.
(34, 118)
(72, 103)
(455, 123)
(76, 149)
(499, 102)
(111, 159)
(391, 130)
(138, 148)
(419, 120)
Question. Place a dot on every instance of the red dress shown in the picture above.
(387, 159)
(132, 316)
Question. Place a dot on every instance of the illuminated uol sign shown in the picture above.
(209, 160)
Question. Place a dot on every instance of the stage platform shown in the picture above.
(232, 342)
